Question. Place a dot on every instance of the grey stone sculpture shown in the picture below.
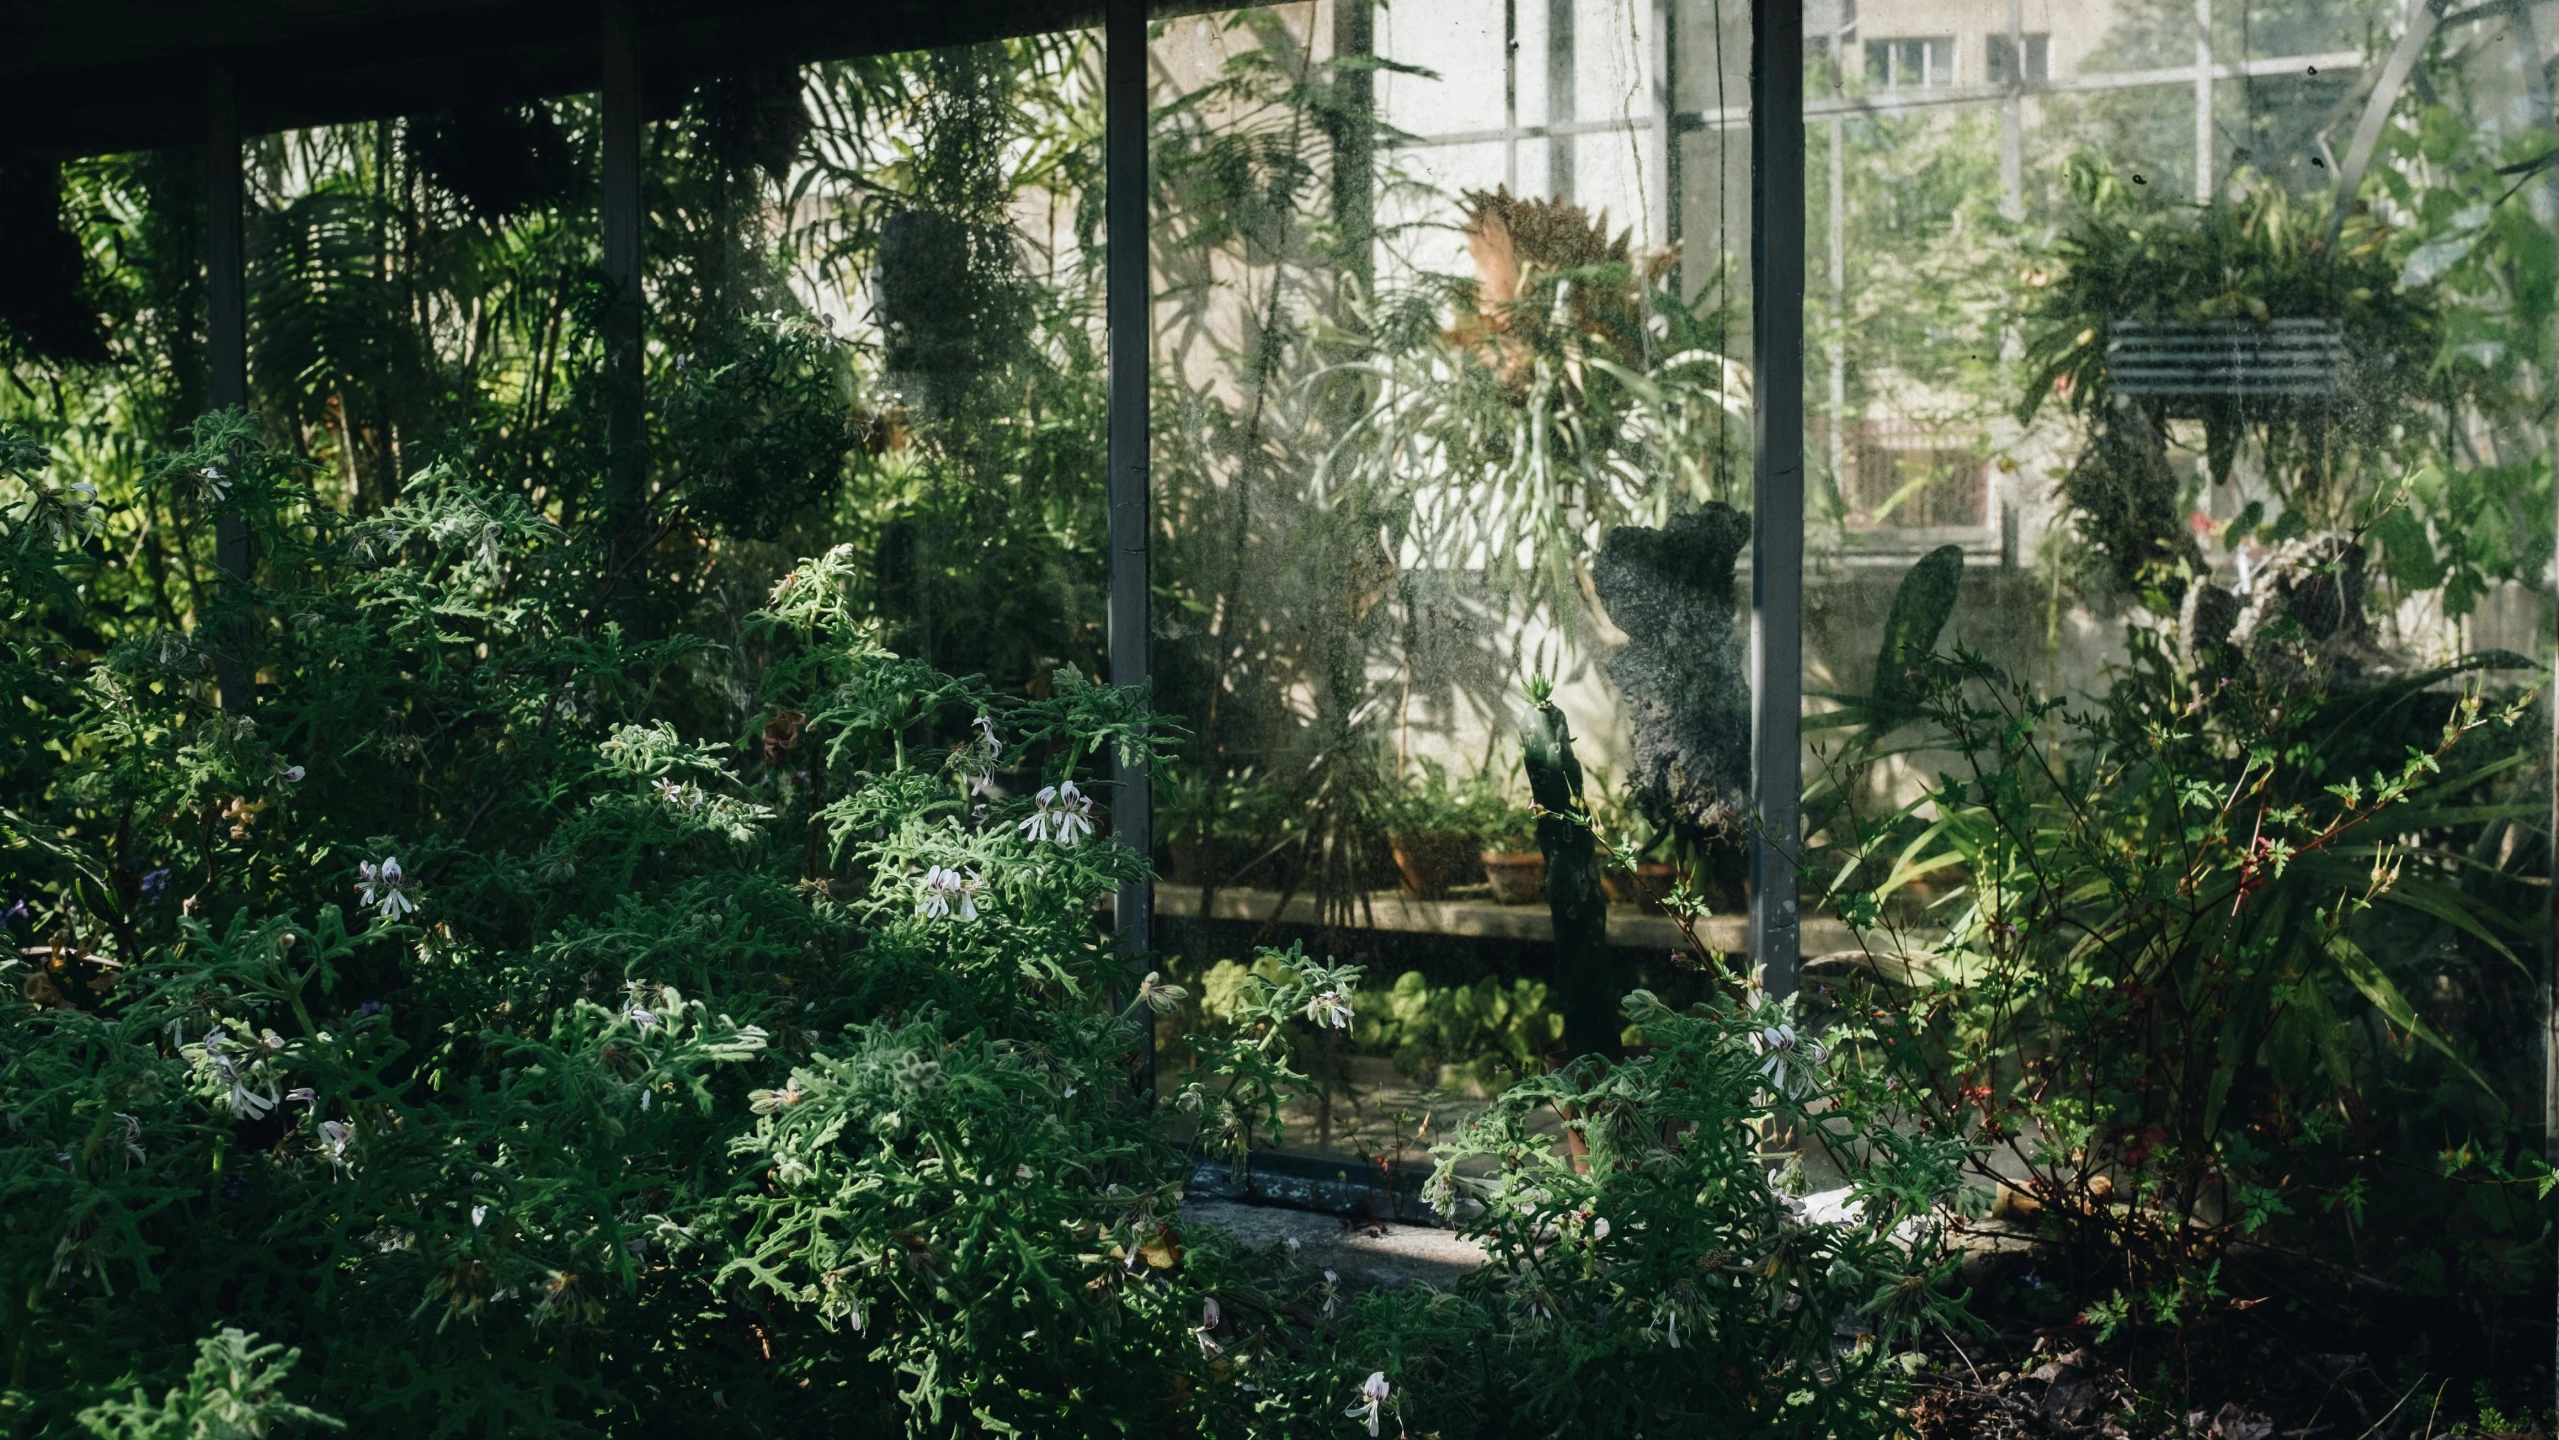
(1681, 674)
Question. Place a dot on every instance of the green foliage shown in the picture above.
(1474, 807)
(233, 1393)
(1494, 1033)
(2331, 461)
(1655, 1265)
(2182, 943)
(535, 1065)
(1246, 1070)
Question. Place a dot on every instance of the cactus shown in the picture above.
(1585, 979)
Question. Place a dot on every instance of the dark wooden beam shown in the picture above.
(116, 75)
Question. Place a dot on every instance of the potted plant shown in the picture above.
(1635, 868)
(1432, 829)
(1507, 835)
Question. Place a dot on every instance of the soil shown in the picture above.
(2294, 1365)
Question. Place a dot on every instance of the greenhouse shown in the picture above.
(1467, 718)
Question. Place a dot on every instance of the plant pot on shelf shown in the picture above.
(1518, 877)
(1647, 885)
(1432, 860)
(1183, 851)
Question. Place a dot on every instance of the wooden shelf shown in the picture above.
(1398, 910)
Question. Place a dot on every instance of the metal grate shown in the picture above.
(2282, 357)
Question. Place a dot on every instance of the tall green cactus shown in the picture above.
(1585, 980)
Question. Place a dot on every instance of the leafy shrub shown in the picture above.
(533, 1066)
(1654, 1266)
(2196, 942)
(233, 1393)
(1495, 1032)
(530, 1065)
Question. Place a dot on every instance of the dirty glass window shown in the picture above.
(1451, 399)
(2178, 458)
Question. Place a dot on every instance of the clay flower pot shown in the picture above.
(1518, 879)
(1648, 885)
(1432, 860)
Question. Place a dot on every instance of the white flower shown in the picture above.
(1074, 815)
(478, 1214)
(335, 1137)
(132, 1135)
(946, 890)
(1330, 1008)
(1158, 996)
(1599, 1228)
(641, 1019)
(1783, 1046)
(1041, 822)
(210, 482)
(1372, 1402)
(304, 1095)
(1209, 1316)
(986, 727)
(293, 774)
(1060, 813)
(248, 1104)
(385, 888)
(687, 796)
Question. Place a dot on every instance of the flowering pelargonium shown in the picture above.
(1375, 1393)
(1784, 1045)
(1330, 1008)
(385, 888)
(1061, 814)
(240, 1076)
(945, 890)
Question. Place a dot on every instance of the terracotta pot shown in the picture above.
(1518, 879)
(1648, 886)
(1184, 853)
(1432, 860)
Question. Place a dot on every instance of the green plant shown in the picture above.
(2183, 942)
(1246, 1070)
(2331, 460)
(1585, 974)
(233, 1393)
(1657, 1268)
(1492, 1032)
(531, 1063)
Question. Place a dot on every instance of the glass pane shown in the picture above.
(1445, 338)
(2159, 497)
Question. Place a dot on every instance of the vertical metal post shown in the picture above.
(1835, 424)
(1777, 480)
(1510, 95)
(1661, 192)
(2012, 117)
(2203, 102)
(1563, 86)
(1129, 310)
(1355, 141)
(226, 347)
(625, 474)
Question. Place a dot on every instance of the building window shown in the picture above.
(1912, 61)
(1903, 477)
(2003, 59)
